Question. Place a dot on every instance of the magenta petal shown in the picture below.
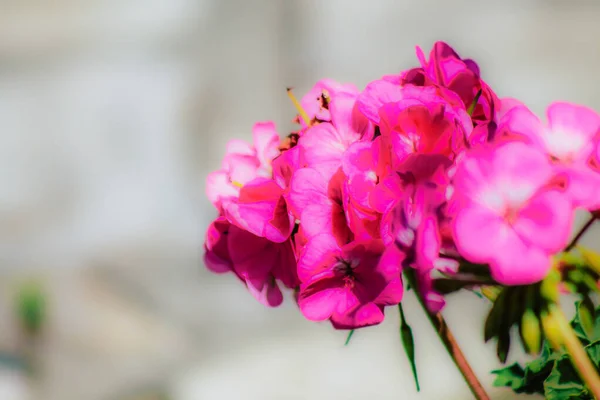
(580, 121)
(307, 187)
(216, 257)
(318, 254)
(519, 264)
(521, 121)
(546, 221)
(319, 298)
(266, 142)
(375, 95)
(252, 256)
(261, 210)
(477, 231)
(360, 316)
(323, 148)
(265, 291)
(583, 186)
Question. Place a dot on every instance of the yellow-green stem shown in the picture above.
(587, 371)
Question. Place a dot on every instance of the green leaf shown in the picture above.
(512, 376)
(503, 346)
(564, 383)
(349, 337)
(586, 314)
(593, 351)
(409, 344)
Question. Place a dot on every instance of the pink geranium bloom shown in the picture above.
(324, 144)
(262, 210)
(569, 140)
(349, 284)
(261, 264)
(317, 101)
(242, 163)
(257, 262)
(216, 248)
(415, 229)
(318, 202)
(447, 69)
(416, 129)
(507, 216)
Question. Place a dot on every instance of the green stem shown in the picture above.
(452, 347)
(587, 371)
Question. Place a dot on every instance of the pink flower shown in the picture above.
(256, 261)
(318, 202)
(569, 140)
(445, 68)
(261, 210)
(216, 248)
(347, 284)
(242, 163)
(506, 216)
(317, 101)
(324, 144)
(261, 263)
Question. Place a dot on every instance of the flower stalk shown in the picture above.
(586, 370)
(450, 343)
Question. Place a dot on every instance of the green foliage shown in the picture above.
(409, 344)
(552, 373)
(31, 307)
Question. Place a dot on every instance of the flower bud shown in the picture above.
(549, 288)
(530, 332)
(551, 330)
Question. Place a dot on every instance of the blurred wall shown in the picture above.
(113, 112)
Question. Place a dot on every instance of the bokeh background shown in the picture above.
(113, 112)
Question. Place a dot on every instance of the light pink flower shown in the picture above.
(242, 163)
(317, 101)
(506, 216)
(324, 144)
(569, 140)
(348, 285)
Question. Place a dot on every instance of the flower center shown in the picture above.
(345, 269)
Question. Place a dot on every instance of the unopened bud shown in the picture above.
(551, 330)
(549, 287)
(530, 332)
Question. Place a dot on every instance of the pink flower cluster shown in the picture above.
(418, 170)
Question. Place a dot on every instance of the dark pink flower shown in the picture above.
(261, 263)
(347, 284)
(318, 202)
(257, 262)
(262, 210)
(447, 69)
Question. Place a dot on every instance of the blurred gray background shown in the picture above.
(111, 115)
